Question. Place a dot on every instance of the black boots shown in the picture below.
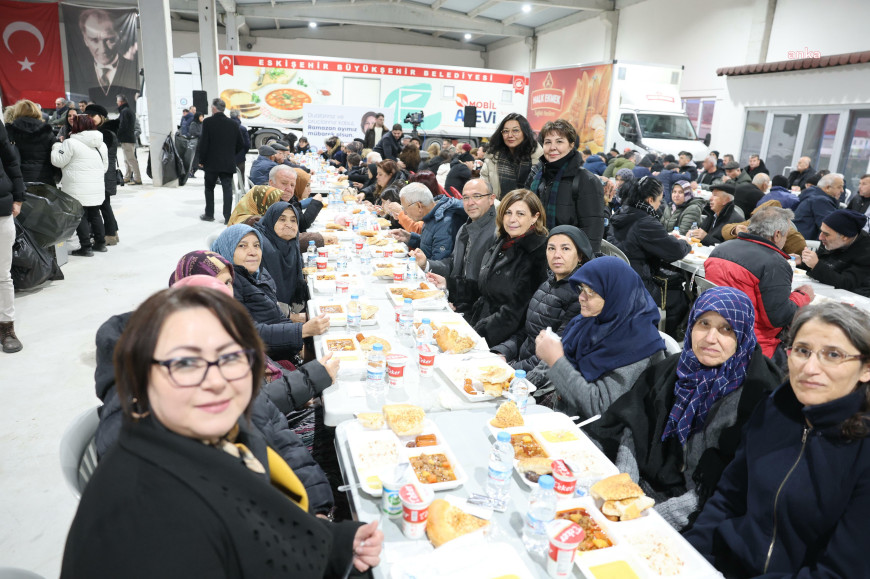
(8, 338)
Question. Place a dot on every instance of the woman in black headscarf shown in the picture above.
(279, 229)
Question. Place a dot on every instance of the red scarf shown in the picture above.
(512, 240)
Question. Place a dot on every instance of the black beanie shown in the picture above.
(581, 242)
(846, 222)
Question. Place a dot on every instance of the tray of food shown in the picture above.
(337, 311)
(621, 499)
(662, 550)
(452, 334)
(425, 295)
(582, 511)
(324, 283)
(478, 379)
(617, 562)
(343, 346)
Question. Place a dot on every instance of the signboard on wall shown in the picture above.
(579, 95)
(319, 122)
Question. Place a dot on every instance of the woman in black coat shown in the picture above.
(513, 267)
(33, 138)
(108, 129)
(190, 489)
(637, 231)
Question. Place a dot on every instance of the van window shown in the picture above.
(627, 126)
(657, 126)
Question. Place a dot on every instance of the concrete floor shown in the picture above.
(43, 387)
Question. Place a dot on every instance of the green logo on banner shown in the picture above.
(411, 99)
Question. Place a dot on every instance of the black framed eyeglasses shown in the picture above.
(190, 371)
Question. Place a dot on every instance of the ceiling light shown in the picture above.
(527, 8)
(467, 36)
(312, 25)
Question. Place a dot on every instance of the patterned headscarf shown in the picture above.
(200, 263)
(687, 193)
(204, 281)
(255, 202)
(229, 239)
(302, 180)
(698, 387)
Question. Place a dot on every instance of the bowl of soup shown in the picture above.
(284, 101)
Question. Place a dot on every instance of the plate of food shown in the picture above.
(582, 511)
(315, 270)
(424, 295)
(343, 347)
(337, 312)
(367, 342)
(661, 549)
(620, 499)
(479, 379)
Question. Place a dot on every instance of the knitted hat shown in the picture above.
(625, 174)
(845, 222)
(581, 242)
(466, 157)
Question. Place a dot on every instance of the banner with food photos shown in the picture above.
(579, 95)
(102, 46)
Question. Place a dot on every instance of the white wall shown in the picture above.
(514, 56)
(575, 44)
(830, 27)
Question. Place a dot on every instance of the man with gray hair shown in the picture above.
(720, 211)
(441, 220)
(373, 157)
(747, 196)
(711, 173)
(219, 144)
(755, 264)
(816, 203)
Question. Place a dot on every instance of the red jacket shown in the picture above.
(758, 268)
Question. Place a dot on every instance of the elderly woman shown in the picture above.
(512, 268)
(33, 138)
(512, 153)
(684, 209)
(254, 204)
(187, 454)
(279, 229)
(555, 300)
(592, 367)
(255, 288)
(680, 424)
(796, 498)
(570, 194)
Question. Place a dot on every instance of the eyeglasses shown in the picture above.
(190, 371)
(474, 198)
(507, 132)
(826, 356)
(406, 208)
(588, 290)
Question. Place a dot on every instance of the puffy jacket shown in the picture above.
(283, 338)
(684, 216)
(814, 205)
(645, 243)
(84, 160)
(489, 170)
(595, 164)
(33, 138)
(553, 305)
(846, 268)
(458, 175)
(713, 223)
(508, 280)
(667, 178)
(439, 228)
(11, 182)
(795, 499)
(616, 164)
(260, 170)
(759, 269)
(786, 198)
(582, 207)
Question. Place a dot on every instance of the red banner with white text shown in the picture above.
(31, 65)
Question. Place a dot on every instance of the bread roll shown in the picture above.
(447, 522)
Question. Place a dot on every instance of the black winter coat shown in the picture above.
(713, 223)
(846, 268)
(219, 143)
(646, 244)
(389, 147)
(127, 126)
(289, 392)
(108, 129)
(11, 182)
(458, 175)
(33, 139)
(798, 179)
(746, 197)
(707, 179)
(508, 280)
(762, 168)
(795, 500)
(283, 338)
(583, 208)
(553, 305)
(165, 505)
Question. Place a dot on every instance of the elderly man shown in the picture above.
(843, 260)
(816, 203)
(711, 173)
(861, 201)
(390, 145)
(755, 264)
(441, 220)
(458, 272)
(735, 174)
(798, 177)
(794, 241)
(719, 212)
(267, 159)
(748, 194)
(284, 178)
(61, 110)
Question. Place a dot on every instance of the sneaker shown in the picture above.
(101, 247)
(112, 240)
(205, 217)
(83, 252)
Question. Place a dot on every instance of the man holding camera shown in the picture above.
(390, 145)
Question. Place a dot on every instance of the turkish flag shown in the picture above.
(30, 52)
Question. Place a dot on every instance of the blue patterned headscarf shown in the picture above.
(229, 239)
(698, 387)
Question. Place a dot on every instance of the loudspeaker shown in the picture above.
(200, 101)
(470, 117)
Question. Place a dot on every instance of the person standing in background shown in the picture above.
(186, 119)
(246, 141)
(107, 128)
(127, 138)
(219, 143)
(375, 133)
(11, 198)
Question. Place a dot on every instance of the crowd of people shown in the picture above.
(232, 467)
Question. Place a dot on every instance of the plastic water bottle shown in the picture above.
(425, 348)
(411, 271)
(519, 390)
(365, 260)
(341, 261)
(694, 225)
(311, 255)
(406, 323)
(676, 230)
(354, 314)
(376, 373)
(542, 510)
(501, 465)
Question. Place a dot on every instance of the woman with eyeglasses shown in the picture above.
(679, 425)
(512, 153)
(191, 489)
(796, 499)
(592, 366)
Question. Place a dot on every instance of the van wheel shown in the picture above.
(264, 137)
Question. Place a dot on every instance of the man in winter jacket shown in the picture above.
(460, 172)
(186, 119)
(861, 201)
(61, 110)
(755, 166)
(843, 260)
(799, 177)
(441, 220)
(390, 144)
(720, 212)
(11, 198)
(779, 192)
(710, 175)
(755, 264)
(219, 144)
(687, 165)
(235, 115)
(748, 195)
(460, 270)
(127, 138)
(816, 203)
(735, 174)
(267, 159)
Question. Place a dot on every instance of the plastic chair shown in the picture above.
(78, 452)
(813, 244)
(15, 573)
(608, 248)
(702, 285)
(671, 345)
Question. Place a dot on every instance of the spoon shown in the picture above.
(587, 421)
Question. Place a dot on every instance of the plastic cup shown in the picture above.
(342, 287)
(358, 243)
(398, 274)
(396, 370)
(415, 510)
(321, 262)
(426, 359)
(564, 538)
(391, 504)
(322, 252)
(388, 253)
(566, 480)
